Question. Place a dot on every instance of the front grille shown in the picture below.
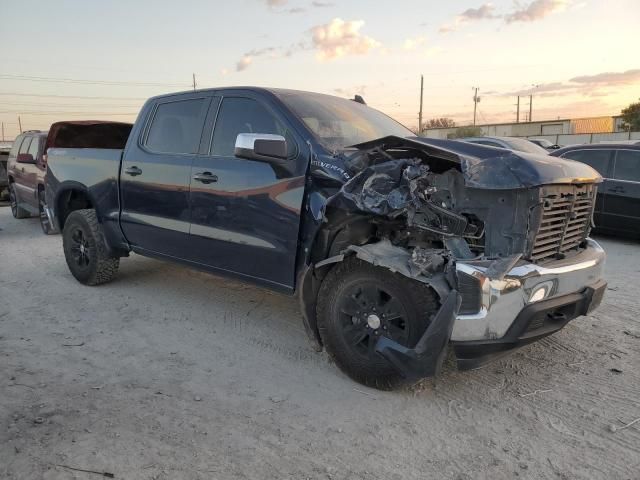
(565, 222)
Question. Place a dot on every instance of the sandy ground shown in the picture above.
(167, 373)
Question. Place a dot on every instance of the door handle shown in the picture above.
(205, 177)
(133, 171)
(616, 189)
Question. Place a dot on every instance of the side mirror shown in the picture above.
(25, 158)
(261, 146)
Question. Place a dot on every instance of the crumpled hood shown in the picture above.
(493, 168)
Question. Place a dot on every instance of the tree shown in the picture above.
(462, 132)
(441, 122)
(631, 117)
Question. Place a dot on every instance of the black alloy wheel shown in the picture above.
(357, 304)
(367, 311)
(85, 250)
(80, 248)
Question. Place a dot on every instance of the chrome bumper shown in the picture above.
(503, 299)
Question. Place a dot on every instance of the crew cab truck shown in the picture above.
(396, 246)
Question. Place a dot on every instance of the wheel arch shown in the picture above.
(71, 196)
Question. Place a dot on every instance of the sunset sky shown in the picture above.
(100, 60)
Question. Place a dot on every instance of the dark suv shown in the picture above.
(617, 207)
(25, 170)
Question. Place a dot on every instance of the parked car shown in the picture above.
(544, 143)
(5, 148)
(617, 209)
(28, 161)
(395, 245)
(25, 171)
(511, 143)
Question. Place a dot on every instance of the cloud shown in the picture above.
(247, 59)
(332, 40)
(339, 38)
(322, 4)
(609, 78)
(536, 10)
(414, 42)
(531, 12)
(276, 3)
(244, 63)
(483, 12)
(589, 85)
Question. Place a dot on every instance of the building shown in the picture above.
(545, 128)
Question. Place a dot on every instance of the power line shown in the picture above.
(70, 96)
(24, 112)
(88, 82)
(31, 104)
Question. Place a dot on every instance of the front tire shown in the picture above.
(16, 210)
(358, 303)
(85, 250)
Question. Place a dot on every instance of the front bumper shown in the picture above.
(507, 315)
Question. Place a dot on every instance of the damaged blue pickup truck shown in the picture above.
(396, 246)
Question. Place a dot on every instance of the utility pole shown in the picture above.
(194, 81)
(530, 107)
(420, 114)
(518, 110)
(3, 131)
(476, 99)
(19, 123)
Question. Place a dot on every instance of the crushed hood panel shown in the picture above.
(488, 167)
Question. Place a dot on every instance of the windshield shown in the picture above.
(525, 146)
(338, 123)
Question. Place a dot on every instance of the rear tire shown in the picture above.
(357, 303)
(44, 219)
(85, 249)
(16, 210)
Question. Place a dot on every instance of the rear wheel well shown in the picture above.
(70, 201)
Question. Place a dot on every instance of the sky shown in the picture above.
(72, 59)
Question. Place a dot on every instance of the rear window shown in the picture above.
(177, 126)
(598, 159)
(88, 134)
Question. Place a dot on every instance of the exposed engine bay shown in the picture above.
(442, 204)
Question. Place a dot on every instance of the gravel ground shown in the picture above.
(167, 373)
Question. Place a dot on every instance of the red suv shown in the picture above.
(26, 167)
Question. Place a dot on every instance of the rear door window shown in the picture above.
(244, 115)
(627, 166)
(177, 126)
(598, 159)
